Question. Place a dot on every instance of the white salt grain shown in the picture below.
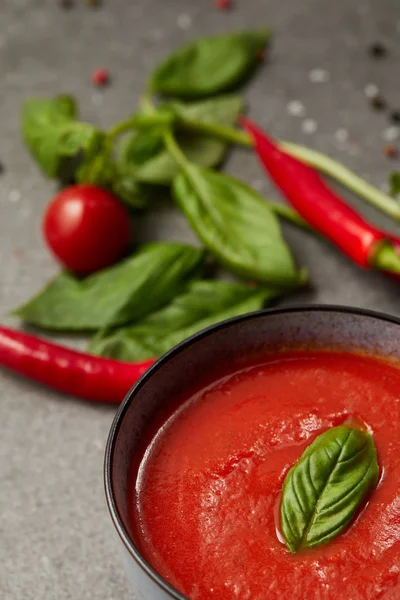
(296, 108)
(14, 196)
(371, 90)
(184, 21)
(390, 134)
(318, 75)
(342, 135)
(309, 126)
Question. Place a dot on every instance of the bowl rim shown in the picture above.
(182, 346)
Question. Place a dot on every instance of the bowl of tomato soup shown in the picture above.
(260, 459)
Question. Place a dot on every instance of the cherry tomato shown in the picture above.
(87, 228)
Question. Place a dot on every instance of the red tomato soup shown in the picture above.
(205, 497)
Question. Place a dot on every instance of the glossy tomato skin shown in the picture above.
(86, 228)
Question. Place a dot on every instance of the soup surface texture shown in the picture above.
(205, 496)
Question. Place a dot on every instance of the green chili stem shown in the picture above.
(347, 178)
(323, 163)
(386, 259)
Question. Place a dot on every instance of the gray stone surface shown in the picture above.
(55, 537)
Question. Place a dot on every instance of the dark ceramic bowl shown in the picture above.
(219, 346)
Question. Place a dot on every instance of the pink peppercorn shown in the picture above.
(223, 4)
(100, 77)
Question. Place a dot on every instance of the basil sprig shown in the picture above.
(120, 294)
(209, 65)
(201, 305)
(133, 161)
(323, 492)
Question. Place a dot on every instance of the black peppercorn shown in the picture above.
(395, 116)
(378, 50)
(378, 102)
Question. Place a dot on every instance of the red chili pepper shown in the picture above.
(323, 209)
(75, 373)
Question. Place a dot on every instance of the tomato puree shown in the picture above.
(205, 496)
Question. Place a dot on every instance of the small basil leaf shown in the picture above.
(203, 304)
(120, 294)
(52, 133)
(395, 183)
(209, 65)
(325, 489)
(236, 225)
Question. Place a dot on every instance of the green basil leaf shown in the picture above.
(394, 183)
(209, 65)
(236, 225)
(52, 133)
(222, 110)
(144, 153)
(120, 294)
(97, 165)
(326, 488)
(203, 304)
(202, 150)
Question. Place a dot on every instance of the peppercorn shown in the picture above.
(100, 77)
(223, 4)
(378, 50)
(66, 4)
(378, 102)
(395, 116)
(390, 150)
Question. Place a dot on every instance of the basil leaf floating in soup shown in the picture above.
(209, 65)
(120, 294)
(325, 489)
(236, 225)
(145, 153)
(203, 304)
(53, 134)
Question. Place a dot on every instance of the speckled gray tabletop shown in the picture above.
(56, 540)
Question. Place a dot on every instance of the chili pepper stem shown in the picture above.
(385, 258)
(345, 177)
